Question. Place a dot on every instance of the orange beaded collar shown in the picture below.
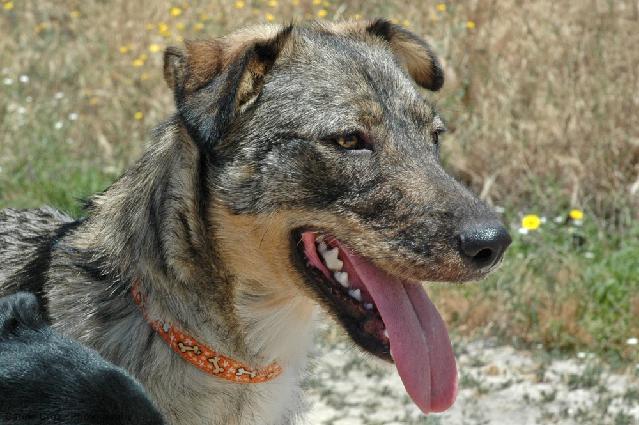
(202, 356)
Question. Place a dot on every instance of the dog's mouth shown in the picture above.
(388, 316)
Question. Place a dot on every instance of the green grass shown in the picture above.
(573, 288)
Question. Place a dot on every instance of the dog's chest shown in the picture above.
(193, 398)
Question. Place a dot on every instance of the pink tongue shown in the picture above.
(418, 337)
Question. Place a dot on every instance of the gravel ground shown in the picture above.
(498, 385)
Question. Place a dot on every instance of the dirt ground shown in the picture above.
(498, 385)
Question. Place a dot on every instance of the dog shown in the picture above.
(48, 379)
(301, 169)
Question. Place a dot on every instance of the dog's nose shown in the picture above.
(484, 243)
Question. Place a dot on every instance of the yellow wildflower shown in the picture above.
(295, 2)
(138, 116)
(317, 2)
(180, 26)
(326, 3)
(138, 62)
(175, 11)
(239, 4)
(163, 28)
(531, 222)
(576, 215)
(41, 27)
(93, 101)
(406, 23)
(8, 5)
(149, 26)
(154, 48)
(75, 14)
(470, 25)
(441, 7)
(198, 26)
(322, 13)
(269, 17)
(124, 49)
(204, 17)
(272, 3)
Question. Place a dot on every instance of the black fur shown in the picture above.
(48, 379)
(33, 275)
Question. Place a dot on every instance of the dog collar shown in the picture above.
(202, 356)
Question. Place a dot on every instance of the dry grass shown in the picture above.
(541, 99)
(541, 96)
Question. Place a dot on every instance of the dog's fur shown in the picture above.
(46, 379)
(206, 218)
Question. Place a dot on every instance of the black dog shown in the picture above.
(48, 379)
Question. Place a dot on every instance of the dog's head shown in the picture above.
(323, 158)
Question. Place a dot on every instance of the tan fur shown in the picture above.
(201, 60)
(415, 57)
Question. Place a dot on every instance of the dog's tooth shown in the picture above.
(355, 293)
(368, 306)
(321, 247)
(342, 278)
(386, 333)
(331, 260)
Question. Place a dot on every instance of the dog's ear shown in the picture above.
(215, 79)
(20, 310)
(414, 53)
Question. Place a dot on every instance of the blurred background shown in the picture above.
(541, 101)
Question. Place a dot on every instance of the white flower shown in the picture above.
(559, 219)
(73, 116)
(21, 110)
(59, 95)
(58, 125)
(24, 79)
(632, 341)
(589, 255)
(523, 231)
(7, 81)
(581, 355)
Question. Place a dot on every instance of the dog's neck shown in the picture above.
(195, 267)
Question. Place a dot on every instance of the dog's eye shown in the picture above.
(352, 141)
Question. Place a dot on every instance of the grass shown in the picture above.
(566, 287)
(540, 100)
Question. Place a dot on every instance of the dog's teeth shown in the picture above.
(385, 333)
(368, 306)
(331, 260)
(321, 247)
(355, 293)
(342, 278)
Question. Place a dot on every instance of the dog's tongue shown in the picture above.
(419, 341)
